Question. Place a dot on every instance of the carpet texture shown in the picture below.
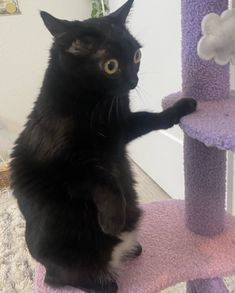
(16, 265)
(171, 253)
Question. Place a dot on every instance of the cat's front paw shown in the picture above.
(184, 107)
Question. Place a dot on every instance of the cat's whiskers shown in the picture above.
(111, 109)
(146, 72)
(137, 89)
(94, 112)
(92, 117)
(117, 107)
(147, 96)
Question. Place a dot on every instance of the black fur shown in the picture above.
(69, 168)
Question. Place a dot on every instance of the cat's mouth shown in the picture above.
(133, 83)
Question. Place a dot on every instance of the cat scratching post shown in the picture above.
(205, 168)
(191, 240)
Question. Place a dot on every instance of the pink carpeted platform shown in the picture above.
(171, 253)
(212, 123)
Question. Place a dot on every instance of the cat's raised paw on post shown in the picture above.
(184, 107)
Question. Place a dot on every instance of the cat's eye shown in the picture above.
(137, 56)
(111, 66)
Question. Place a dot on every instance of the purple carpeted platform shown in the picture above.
(171, 253)
(212, 124)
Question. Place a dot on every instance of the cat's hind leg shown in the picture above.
(107, 286)
(92, 282)
(135, 251)
(129, 247)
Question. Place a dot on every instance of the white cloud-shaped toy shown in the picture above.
(218, 41)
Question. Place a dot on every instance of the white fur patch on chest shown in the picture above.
(129, 241)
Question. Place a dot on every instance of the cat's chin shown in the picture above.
(121, 92)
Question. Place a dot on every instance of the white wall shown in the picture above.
(156, 24)
(24, 44)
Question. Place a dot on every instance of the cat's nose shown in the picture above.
(133, 82)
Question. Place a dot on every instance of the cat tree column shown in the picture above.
(205, 168)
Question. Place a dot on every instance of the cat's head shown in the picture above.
(100, 52)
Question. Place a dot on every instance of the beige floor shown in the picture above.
(147, 189)
(17, 266)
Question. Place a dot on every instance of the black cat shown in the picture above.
(69, 168)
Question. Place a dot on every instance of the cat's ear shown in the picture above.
(55, 26)
(121, 14)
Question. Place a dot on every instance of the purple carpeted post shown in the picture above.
(206, 286)
(204, 167)
(190, 287)
(202, 80)
(205, 171)
(210, 286)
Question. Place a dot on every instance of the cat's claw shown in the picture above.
(135, 252)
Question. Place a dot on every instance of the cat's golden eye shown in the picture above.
(111, 66)
(137, 56)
